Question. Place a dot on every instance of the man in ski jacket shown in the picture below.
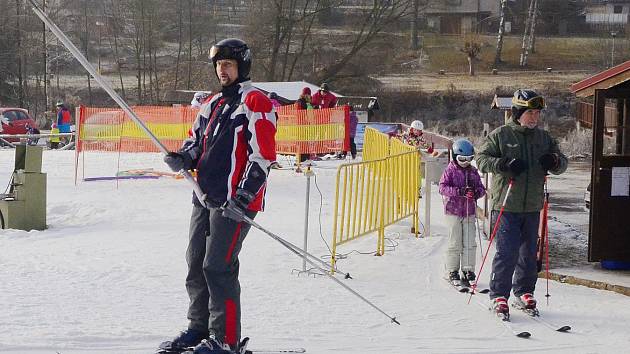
(232, 148)
(324, 98)
(521, 152)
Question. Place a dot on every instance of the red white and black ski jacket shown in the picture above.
(232, 145)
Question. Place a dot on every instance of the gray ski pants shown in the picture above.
(514, 264)
(212, 280)
(462, 246)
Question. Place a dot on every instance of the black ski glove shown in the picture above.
(548, 161)
(235, 208)
(178, 161)
(515, 166)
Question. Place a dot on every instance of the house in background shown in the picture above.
(462, 16)
(607, 15)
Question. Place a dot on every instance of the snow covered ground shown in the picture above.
(107, 276)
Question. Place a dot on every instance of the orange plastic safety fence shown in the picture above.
(312, 130)
(107, 129)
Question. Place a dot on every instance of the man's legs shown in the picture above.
(526, 274)
(353, 148)
(195, 280)
(221, 268)
(508, 240)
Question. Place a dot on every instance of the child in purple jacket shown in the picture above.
(461, 186)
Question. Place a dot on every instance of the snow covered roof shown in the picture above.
(289, 90)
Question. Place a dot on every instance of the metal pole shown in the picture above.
(290, 247)
(110, 90)
(308, 173)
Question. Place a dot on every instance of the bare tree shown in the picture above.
(382, 14)
(21, 58)
(280, 30)
(472, 49)
(86, 42)
(497, 56)
(116, 29)
(532, 34)
(526, 33)
(414, 25)
(180, 25)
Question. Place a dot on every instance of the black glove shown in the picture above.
(515, 166)
(178, 161)
(235, 208)
(548, 161)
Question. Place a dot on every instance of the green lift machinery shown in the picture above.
(24, 206)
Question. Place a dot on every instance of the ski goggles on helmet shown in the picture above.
(537, 102)
(463, 158)
(223, 52)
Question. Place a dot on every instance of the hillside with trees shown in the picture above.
(361, 47)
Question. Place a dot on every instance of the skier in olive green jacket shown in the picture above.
(524, 153)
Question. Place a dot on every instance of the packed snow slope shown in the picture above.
(107, 276)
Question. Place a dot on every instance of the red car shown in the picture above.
(15, 121)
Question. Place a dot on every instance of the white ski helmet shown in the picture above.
(416, 124)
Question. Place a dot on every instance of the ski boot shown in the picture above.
(501, 308)
(526, 303)
(212, 346)
(454, 278)
(468, 276)
(186, 339)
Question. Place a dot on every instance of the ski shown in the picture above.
(534, 314)
(505, 321)
(274, 351)
(458, 286)
(248, 351)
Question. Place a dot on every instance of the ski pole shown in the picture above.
(301, 253)
(467, 211)
(494, 232)
(546, 221)
(478, 236)
(112, 93)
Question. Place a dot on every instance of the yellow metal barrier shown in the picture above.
(377, 192)
(376, 145)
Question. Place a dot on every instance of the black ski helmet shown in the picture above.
(523, 100)
(233, 48)
(462, 147)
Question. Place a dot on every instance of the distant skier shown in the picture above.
(414, 136)
(461, 186)
(323, 98)
(232, 147)
(64, 120)
(522, 152)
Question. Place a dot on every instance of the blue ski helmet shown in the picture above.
(233, 48)
(462, 147)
